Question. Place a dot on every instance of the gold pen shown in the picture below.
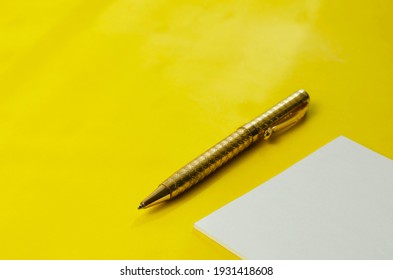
(283, 115)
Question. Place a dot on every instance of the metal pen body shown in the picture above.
(262, 126)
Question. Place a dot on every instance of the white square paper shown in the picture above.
(337, 203)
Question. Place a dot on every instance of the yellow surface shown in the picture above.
(100, 101)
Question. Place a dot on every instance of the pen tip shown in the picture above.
(140, 206)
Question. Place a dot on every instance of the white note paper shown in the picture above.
(337, 203)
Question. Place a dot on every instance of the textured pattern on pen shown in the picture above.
(225, 150)
(282, 111)
(209, 161)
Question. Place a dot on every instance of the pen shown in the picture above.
(282, 116)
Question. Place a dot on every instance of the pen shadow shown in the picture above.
(154, 213)
(173, 204)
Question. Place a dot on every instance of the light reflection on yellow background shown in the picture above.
(102, 100)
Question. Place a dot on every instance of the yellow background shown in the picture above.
(100, 101)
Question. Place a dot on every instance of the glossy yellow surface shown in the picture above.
(100, 101)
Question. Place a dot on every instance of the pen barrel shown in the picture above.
(209, 161)
(224, 151)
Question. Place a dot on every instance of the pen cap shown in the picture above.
(281, 116)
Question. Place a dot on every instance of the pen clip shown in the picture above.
(287, 121)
